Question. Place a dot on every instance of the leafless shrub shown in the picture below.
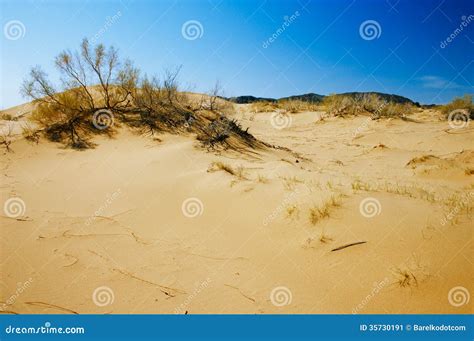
(95, 80)
(66, 113)
(6, 137)
(30, 134)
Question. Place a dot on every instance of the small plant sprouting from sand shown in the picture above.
(262, 179)
(358, 185)
(238, 172)
(292, 211)
(320, 212)
(405, 278)
(317, 213)
(411, 273)
(324, 238)
(290, 182)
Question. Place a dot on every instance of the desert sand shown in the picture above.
(141, 225)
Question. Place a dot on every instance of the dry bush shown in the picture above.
(365, 104)
(295, 106)
(339, 105)
(30, 134)
(218, 132)
(158, 106)
(214, 101)
(459, 103)
(6, 137)
(66, 113)
(95, 81)
(8, 117)
(263, 106)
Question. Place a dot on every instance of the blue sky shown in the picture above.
(321, 48)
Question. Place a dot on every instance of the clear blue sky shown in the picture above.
(320, 51)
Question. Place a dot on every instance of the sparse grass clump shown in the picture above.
(290, 182)
(405, 278)
(262, 179)
(324, 238)
(292, 211)
(358, 185)
(317, 213)
(238, 172)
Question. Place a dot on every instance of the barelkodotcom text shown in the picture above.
(437, 328)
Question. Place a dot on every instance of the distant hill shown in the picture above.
(387, 97)
(249, 99)
(311, 97)
(316, 98)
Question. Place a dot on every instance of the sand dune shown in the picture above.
(142, 226)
